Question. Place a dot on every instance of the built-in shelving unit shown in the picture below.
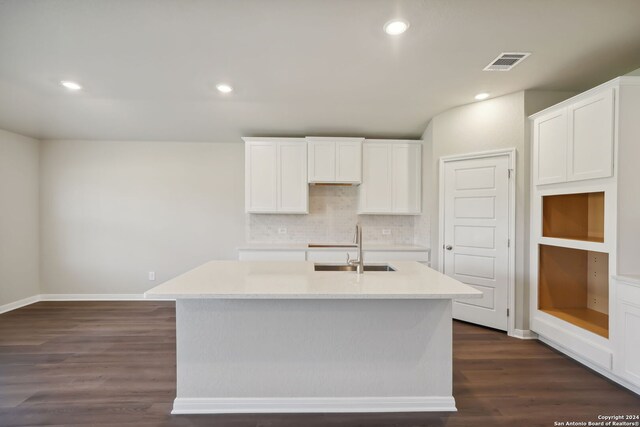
(578, 216)
(585, 230)
(574, 287)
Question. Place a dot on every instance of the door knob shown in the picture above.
(449, 247)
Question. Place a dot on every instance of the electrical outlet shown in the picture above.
(386, 231)
(282, 230)
(152, 275)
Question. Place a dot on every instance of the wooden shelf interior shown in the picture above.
(574, 286)
(574, 216)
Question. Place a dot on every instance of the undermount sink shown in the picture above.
(367, 267)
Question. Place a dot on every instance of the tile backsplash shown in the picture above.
(332, 218)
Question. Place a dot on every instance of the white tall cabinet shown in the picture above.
(276, 175)
(584, 228)
(391, 177)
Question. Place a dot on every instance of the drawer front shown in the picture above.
(334, 257)
(386, 256)
(629, 293)
(271, 255)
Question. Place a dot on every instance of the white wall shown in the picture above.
(489, 125)
(113, 211)
(19, 230)
(634, 73)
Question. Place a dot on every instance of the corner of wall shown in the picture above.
(19, 189)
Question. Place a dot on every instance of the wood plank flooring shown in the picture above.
(113, 364)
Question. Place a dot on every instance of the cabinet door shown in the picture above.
(322, 158)
(260, 177)
(628, 360)
(349, 161)
(406, 178)
(376, 188)
(266, 255)
(627, 332)
(550, 147)
(293, 189)
(591, 137)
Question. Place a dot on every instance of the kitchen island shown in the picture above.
(257, 337)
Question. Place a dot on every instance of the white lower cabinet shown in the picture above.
(387, 256)
(333, 256)
(262, 255)
(627, 359)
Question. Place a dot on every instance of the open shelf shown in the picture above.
(574, 286)
(577, 216)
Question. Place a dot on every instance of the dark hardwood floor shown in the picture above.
(113, 363)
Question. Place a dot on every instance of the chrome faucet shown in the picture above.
(358, 262)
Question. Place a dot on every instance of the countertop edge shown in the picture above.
(152, 296)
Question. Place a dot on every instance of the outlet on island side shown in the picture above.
(152, 275)
(282, 230)
(386, 231)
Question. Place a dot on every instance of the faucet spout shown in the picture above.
(358, 262)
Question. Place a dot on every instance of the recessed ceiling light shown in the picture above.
(482, 96)
(70, 85)
(395, 27)
(224, 88)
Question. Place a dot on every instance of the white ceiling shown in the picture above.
(299, 67)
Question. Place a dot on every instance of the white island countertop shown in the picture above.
(298, 280)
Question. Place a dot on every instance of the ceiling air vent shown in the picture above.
(506, 61)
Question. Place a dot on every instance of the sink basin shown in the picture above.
(367, 267)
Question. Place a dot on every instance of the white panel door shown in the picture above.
(260, 177)
(322, 161)
(406, 178)
(550, 148)
(293, 189)
(348, 161)
(591, 137)
(476, 233)
(376, 188)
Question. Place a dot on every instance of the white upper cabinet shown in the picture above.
(276, 175)
(335, 160)
(376, 189)
(550, 136)
(261, 176)
(407, 177)
(575, 140)
(391, 177)
(591, 137)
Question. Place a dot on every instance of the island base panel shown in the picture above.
(258, 356)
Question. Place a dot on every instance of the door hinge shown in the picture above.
(508, 243)
(509, 172)
(507, 312)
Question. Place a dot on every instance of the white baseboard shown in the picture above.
(313, 405)
(613, 377)
(524, 334)
(76, 297)
(91, 297)
(18, 304)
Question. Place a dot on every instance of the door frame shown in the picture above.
(511, 276)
